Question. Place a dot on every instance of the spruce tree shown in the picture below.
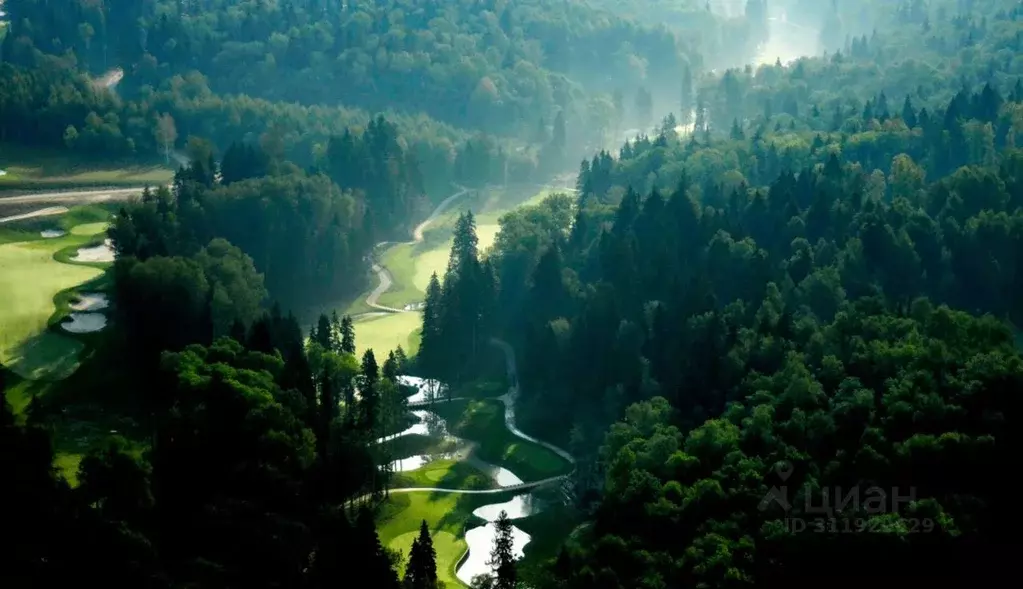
(430, 351)
(370, 402)
(502, 557)
(335, 333)
(347, 335)
(465, 247)
(323, 331)
(390, 369)
(421, 572)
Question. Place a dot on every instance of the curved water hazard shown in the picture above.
(481, 543)
(85, 323)
(480, 539)
(99, 253)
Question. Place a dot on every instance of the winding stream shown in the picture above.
(480, 539)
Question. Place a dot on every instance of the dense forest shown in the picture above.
(496, 65)
(778, 334)
(833, 297)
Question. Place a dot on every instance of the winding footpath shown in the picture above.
(383, 276)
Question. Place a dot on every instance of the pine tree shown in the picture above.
(323, 331)
(430, 352)
(502, 557)
(401, 358)
(335, 333)
(370, 378)
(390, 369)
(421, 572)
(347, 335)
(908, 113)
(465, 246)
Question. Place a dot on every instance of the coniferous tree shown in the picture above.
(390, 368)
(347, 335)
(335, 333)
(502, 556)
(421, 571)
(430, 360)
(323, 331)
(369, 392)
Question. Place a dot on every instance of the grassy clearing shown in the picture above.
(45, 169)
(30, 278)
(90, 229)
(415, 444)
(29, 229)
(445, 514)
(400, 263)
(446, 474)
(482, 421)
(428, 262)
(385, 333)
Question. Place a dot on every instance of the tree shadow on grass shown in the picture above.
(46, 356)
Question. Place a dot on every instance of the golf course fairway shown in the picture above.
(409, 266)
(30, 278)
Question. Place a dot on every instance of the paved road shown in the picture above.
(383, 276)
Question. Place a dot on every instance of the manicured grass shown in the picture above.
(38, 169)
(446, 515)
(30, 229)
(30, 278)
(90, 229)
(448, 547)
(386, 333)
(428, 262)
(446, 474)
(415, 444)
(483, 422)
(402, 266)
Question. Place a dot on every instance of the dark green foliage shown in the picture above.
(421, 570)
(502, 556)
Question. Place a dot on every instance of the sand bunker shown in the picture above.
(85, 323)
(92, 301)
(52, 233)
(99, 253)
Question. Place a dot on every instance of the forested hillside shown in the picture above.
(777, 335)
(495, 65)
(817, 289)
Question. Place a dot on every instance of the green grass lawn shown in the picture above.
(428, 262)
(29, 168)
(401, 264)
(483, 422)
(385, 333)
(446, 474)
(90, 229)
(30, 278)
(446, 515)
(415, 444)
